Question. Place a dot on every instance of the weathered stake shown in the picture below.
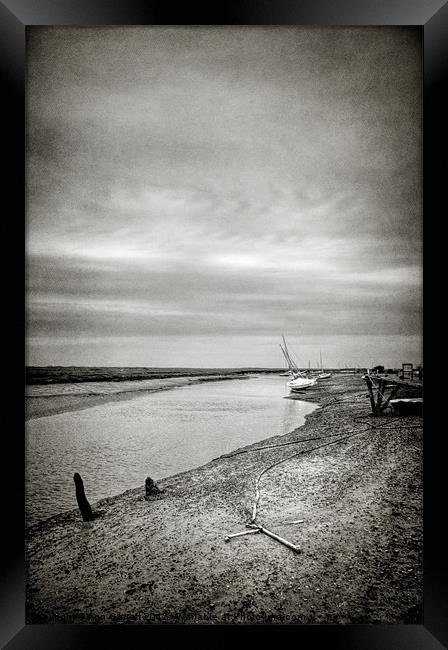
(83, 504)
(151, 488)
(391, 396)
(372, 398)
(379, 398)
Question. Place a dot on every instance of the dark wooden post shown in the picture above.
(391, 396)
(151, 488)
(372, 398)
(83, 504)
(379, 399)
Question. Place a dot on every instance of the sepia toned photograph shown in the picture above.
(224, 364)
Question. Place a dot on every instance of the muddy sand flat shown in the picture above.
(166, 560)
(41, 401)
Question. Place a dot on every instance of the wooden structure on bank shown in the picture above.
(379, 385)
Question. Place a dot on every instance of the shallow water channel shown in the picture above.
(116, 445)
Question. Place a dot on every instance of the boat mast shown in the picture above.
(292, 365)
(286, 358)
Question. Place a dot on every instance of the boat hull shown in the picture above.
(297, 386)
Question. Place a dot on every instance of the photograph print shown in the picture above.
(224, 366)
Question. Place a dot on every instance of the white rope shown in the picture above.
(283, 460)
(253, 526)
(303, 451)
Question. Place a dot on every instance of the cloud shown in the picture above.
(68, 296)
(203, 180)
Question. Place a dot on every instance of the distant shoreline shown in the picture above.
(77, 374)
(44, 375)
(37, 406)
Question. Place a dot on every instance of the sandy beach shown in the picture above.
(353, 481)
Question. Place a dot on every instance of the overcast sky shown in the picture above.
(195, 193)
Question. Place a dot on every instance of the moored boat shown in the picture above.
(300, 383)
(323, 374)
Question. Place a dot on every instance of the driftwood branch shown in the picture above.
(245, 532)
(283, 541)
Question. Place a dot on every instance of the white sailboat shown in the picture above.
(322, 374)
(300, 381)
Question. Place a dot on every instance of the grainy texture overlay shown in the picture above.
(166, 560)
(194, 192)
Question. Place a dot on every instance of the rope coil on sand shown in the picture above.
(252, 525)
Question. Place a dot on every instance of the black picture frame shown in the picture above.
(432, 17)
